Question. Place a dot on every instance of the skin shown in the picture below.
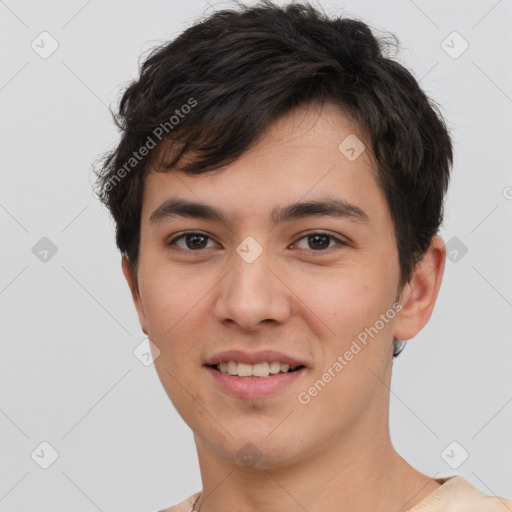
(334, 453)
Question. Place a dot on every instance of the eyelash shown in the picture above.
(328, 235)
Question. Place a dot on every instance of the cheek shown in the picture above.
(169, 297)
(176, 306)
(356, 307)
(344, 299)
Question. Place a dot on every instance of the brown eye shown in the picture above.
(193, 241)
(319, 242)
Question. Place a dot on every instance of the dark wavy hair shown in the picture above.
(213, 91)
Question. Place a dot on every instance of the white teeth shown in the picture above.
(275, 367)
(253, 370)
(260, 370)
(244, 370)
(232, 368)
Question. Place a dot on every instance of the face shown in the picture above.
(311, 284)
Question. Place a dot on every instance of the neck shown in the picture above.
(354, 471)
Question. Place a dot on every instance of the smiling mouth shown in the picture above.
(257, 371)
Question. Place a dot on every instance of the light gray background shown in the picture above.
(68, 328)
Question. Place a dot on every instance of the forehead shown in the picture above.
(307, 154)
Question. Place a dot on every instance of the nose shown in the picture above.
(252, 294)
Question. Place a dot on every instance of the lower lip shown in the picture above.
(261, 387)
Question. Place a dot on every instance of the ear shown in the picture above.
(132, 283)
(419, 295)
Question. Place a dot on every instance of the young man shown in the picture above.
(277, 192)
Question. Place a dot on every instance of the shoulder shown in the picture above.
(184, 506)
(477, 500)
(495, 504)
(456, 494)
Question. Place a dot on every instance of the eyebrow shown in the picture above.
(333, 207)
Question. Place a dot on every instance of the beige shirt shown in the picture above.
(455, 495)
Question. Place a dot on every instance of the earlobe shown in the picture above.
(132, 283)
(419, 295)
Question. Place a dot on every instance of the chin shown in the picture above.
(261, 451)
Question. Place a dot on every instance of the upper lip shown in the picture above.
(253, 357)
